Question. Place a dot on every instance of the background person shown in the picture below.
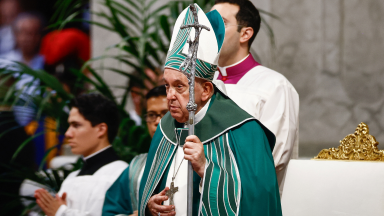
(156, 107)
(9, 9)
(139, 92)
(265, 94)
(127, 185)
(94, 123)
(28, 30)
(63, 51)
(66, 50)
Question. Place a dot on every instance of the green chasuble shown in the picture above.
(121, 197)
(240, 177)
(117, 199)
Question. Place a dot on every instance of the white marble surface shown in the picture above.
(331, 51)
(333, 188)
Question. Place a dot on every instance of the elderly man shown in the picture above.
(93, 125)
(231, 152)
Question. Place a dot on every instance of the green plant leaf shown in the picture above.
(5, 79)
(135, 5)
(118, 26)
(69, 19)
(123, 59)
(10, 129)
(165, 26)
(159, 10)
(43, 104)
(151, 51)
(155, 37)
(270, 32)
(269, 14)
(10, 93)
(24, 144)
(29, 207)
(44, 160)
(127, 14)
(63, 8)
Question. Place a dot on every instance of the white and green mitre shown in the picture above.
(210, 42)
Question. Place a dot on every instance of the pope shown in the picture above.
(230, 152)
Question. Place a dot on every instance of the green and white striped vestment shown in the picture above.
(240, 177)
(210, 42)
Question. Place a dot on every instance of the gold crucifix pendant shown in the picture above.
(172, 190)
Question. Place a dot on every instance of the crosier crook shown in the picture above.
(190, 61)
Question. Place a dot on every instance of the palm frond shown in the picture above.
(24, 144)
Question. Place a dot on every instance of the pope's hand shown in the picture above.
(194, 152)
(155, 205)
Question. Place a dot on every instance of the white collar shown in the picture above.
(101, 150)
(200, 115)
(223, 70)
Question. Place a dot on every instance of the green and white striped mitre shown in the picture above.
(210, 42)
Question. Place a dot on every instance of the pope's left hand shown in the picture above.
(194, 152)
(48, 203)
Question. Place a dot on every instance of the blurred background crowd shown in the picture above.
(25, 38)
(45, 62)
(53, 50)
(33, 107)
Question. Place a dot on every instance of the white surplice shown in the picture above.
(271, 98)
(86, 193)
(180, 197)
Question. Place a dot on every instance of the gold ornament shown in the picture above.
(358, 146)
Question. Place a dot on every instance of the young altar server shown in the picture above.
(93, 125)
(122, 197)
(265, 94)
(230, 152)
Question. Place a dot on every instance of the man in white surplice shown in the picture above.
(265, 94)
(93, 125)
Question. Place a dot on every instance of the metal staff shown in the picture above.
(190, 62)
